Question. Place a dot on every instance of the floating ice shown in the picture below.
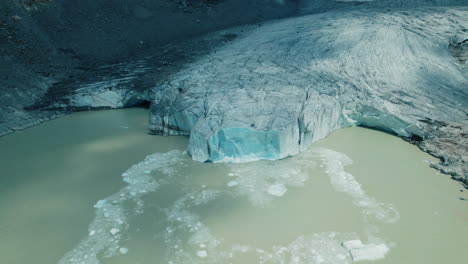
(111, 218)
(202, 253)
(260, 182)
(232, 183)
(360, 251)
(100, 204)
(342, 181)
(351, 244)
(182, 221)
(277, 190)
(318, 248)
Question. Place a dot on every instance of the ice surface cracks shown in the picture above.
(291, 82)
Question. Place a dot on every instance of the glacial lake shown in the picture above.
(94, 187)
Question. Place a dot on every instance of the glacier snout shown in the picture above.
(277, 88)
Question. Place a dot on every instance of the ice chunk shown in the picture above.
(369, 252)
(352, 244)
(277, 190)
(202, 253)
(232, 183)
(360, 251)
(123, 250)
(114, 231)
(100, 204)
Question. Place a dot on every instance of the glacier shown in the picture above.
(283, 85)
(270, 89)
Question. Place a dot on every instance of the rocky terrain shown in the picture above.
(263, 91)
(50, 49)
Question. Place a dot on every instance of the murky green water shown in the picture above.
(355, 184)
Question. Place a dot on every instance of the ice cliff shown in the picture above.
(281, 86)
